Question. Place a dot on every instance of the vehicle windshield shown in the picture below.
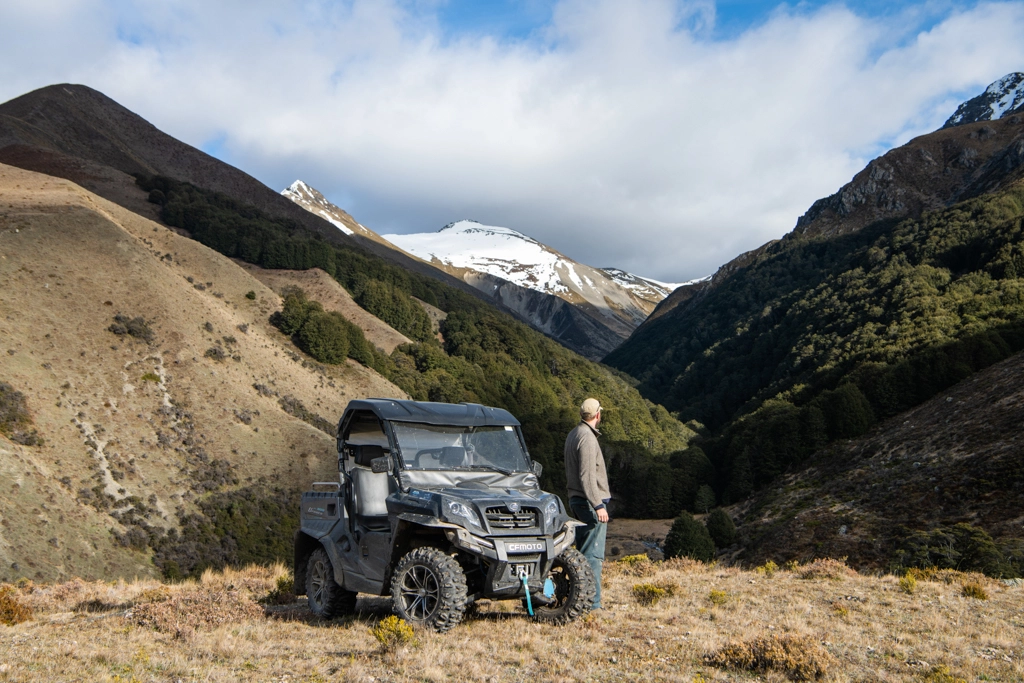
(447, 447)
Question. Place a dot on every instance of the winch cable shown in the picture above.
(526, 587)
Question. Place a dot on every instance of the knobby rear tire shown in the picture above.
(326, 598)
(429, 589)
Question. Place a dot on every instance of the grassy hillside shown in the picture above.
(154, 383)
(820, 337)
(486, 356)
(814, 622)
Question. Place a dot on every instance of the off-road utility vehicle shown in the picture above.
(437, 505)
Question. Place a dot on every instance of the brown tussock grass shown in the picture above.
(801, 658)
(886, 635)
(826, 568)
(12, 609)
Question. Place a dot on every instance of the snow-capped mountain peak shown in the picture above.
(1000, 99)
(467, 248)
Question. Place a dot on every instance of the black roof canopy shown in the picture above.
(460, 414)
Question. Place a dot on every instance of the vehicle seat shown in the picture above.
(371, 490)
(453, 456)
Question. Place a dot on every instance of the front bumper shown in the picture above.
(512, 556)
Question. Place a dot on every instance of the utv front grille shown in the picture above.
(503, 518)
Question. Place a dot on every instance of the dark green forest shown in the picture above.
(487, 356)
(820, 338)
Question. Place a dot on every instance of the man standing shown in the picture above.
(587, 483)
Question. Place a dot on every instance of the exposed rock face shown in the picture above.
(1003, 98)
(929, 172)
(551, 315)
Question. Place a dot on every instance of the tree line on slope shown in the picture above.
(821, 338)
(486, 356)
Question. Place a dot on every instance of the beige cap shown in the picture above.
(590, 408)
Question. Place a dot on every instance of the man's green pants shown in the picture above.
(590, 539)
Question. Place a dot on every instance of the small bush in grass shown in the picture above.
(718, 597)
(800, 658)
(15, 419)
(792, 566)
(767, 569)
(975, 590)
(12, 610)
(283, 592)
(827, 568)
(151, 377)
(648, 594)
(941, 674)
(133, 327)
(908, 584)
(250, 295)
(839, 609)
(637, 565)
(216, 353)
(392, 632)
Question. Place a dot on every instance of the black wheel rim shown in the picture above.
(560, 577)
(319, 579)
(420, 591)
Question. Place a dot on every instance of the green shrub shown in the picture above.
(908, 583)
(767, 569)
(151, 377)
(721, 528)
(251, 295)
(648, 594)
(689, 538)
(941, 674)
(325, 337)
(718, 598)
(392, 632)
(962, 547)
(283, 592)
(705, 499)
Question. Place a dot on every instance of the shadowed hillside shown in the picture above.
(956, 459)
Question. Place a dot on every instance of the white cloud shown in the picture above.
(621, 134)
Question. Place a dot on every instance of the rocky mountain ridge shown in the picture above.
(1002, 98)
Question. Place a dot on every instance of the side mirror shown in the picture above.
(381, 464)
(537, 468)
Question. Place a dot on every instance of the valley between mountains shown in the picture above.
(161, 416)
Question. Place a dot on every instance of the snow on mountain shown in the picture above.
(465, 248)
(314, 202)
(1002, 98)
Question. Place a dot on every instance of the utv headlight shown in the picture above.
(550, 513)
(456, 509)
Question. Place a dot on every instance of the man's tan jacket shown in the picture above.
(585, 474)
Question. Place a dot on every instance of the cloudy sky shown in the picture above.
(659, 136)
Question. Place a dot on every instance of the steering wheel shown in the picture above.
(435, 452)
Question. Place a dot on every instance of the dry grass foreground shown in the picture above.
(714, 624)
